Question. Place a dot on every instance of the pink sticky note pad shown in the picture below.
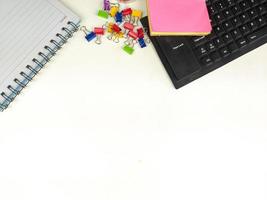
(178, 17)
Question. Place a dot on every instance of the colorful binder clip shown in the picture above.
(109, 27)
(116, 28)
(89, 36)
(124, 26)
(132, 36)
(128, 27)
(113, 10)
(126, 13)
(128, 49)
(103, 14)
(99, 33)
(118, 17)
(141, 42)
(120, 35)
(106, 5)
(140, 33)
(136, 16)
(114, 34)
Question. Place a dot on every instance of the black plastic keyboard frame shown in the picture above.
(204, 69)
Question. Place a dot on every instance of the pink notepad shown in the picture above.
(178, 17)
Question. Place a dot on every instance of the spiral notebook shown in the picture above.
(32, 31)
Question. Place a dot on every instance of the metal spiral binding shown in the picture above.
(25, 78)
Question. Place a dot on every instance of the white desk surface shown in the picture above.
(99, 124)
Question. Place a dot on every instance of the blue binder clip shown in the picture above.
(142, 42)
(89, 36)
(118, 17)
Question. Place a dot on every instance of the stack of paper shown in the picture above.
(178, 17)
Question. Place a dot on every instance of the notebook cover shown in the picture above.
(178, 17)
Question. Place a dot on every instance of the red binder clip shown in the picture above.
(128, 27)
(99, 33)
(127, 13)
(140, 33)
(115, 33)
(132, 37)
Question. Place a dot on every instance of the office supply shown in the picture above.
(180, 17)
(141, 42)
(140, 33)
(126, 13)
(128, 49)
(238, 27)
(136, 16)
(118, 17)
(113, 10)
(106, 5)
(89, 35)
(99, 33)
(32, 31)
(131, 38)
(128, 27)
(125, 26)
(103, 14)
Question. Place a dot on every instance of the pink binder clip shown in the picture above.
(99, 33)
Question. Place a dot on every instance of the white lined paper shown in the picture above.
(26, 27)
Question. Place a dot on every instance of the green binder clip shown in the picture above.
(103, 14)
(128, 49)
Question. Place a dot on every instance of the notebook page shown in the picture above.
(27, 26)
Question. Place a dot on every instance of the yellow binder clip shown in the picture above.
(113, 11)
(136, 16)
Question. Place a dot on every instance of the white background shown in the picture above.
(99, 124)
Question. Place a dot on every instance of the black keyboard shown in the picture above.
(239, 26)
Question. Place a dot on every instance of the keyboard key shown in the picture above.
(233, 47)
(219, 17)
(227, 13)
(220, 5)
(230, 3)
(236, 9)
(218, 30)
(215, 56)
(228, 26)
(236, 21)
(218, 42)
(262, 10)
(244, 17)
(244, 29)
(253, 25)
(242, 42)
(257, 35)
(206, 60)
(253, 13)
(244, 5)
(199, 40)
(201, 51)
(227, 38)
(261, 21)
(212, 10)
(211, 46)
(253, 2)
(225, 52)
(236, 33)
